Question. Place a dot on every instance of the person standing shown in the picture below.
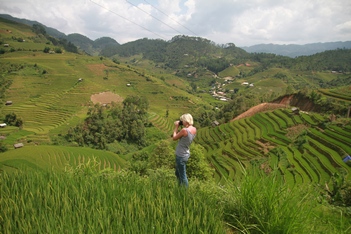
(185, 136)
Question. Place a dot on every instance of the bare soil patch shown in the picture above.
(259, 108)
(97, 69)
(265, 146)
(295, 131)
(106, 98)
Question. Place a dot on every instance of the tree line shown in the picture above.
(106, 124)
(198, 52)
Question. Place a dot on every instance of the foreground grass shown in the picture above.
(123, 203)
(84, 201)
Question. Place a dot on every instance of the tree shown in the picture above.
(197, 166)
(38, 29)
(134, 118)
(3, 148)
(163, 156)
(13, 120)
(193, 86)
(58, 50)
(46, 49)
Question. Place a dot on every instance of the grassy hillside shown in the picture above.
(57, 158)
(52, 92)
(264, 163)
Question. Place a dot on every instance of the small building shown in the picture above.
(80, 79)
(18, 145)
(6, 45)
(8, 103)
(245, 83)
(295, 111)
(128, 85)
(2, 125)
(2, 137)
(215, 123)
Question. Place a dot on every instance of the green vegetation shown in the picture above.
(113, 123)
(106, 201)
(95, 134)
(46, 158)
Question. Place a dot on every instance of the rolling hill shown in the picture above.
(293, 51)
(52, 92)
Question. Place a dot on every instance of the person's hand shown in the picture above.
(176, 123)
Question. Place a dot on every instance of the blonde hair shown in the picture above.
(187, 118)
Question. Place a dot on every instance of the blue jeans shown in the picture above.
(180, 170)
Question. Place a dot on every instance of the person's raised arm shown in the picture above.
(177, 135)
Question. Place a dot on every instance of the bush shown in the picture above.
(58, 51)
(3, 148)
(46, 50)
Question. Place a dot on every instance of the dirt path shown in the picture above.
(259, 108)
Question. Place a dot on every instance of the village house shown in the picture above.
(8, 103)
(18, 145)
(2, 125)
(295, 111)
(215, 123)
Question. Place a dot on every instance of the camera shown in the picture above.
(180, 123)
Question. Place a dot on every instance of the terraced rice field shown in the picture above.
(262, 140)
(57, 158)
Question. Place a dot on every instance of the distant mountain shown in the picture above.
(51, 31)
(89, 46)
(81, 41)
(158, 50)
(293, 50)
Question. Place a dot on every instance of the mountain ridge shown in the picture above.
(90, 46)
(295, 50)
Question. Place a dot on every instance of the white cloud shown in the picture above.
(222, 21)
(344, 28)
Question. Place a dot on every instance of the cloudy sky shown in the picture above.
(242, 22)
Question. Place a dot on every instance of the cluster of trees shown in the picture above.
(48, 49)
(105, 125)
(214, 64)
(13, 120)
(67, 45)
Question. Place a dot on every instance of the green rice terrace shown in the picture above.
(273, 140)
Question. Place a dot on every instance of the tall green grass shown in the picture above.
(86, 200)
(36, 202)
(261, 203)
